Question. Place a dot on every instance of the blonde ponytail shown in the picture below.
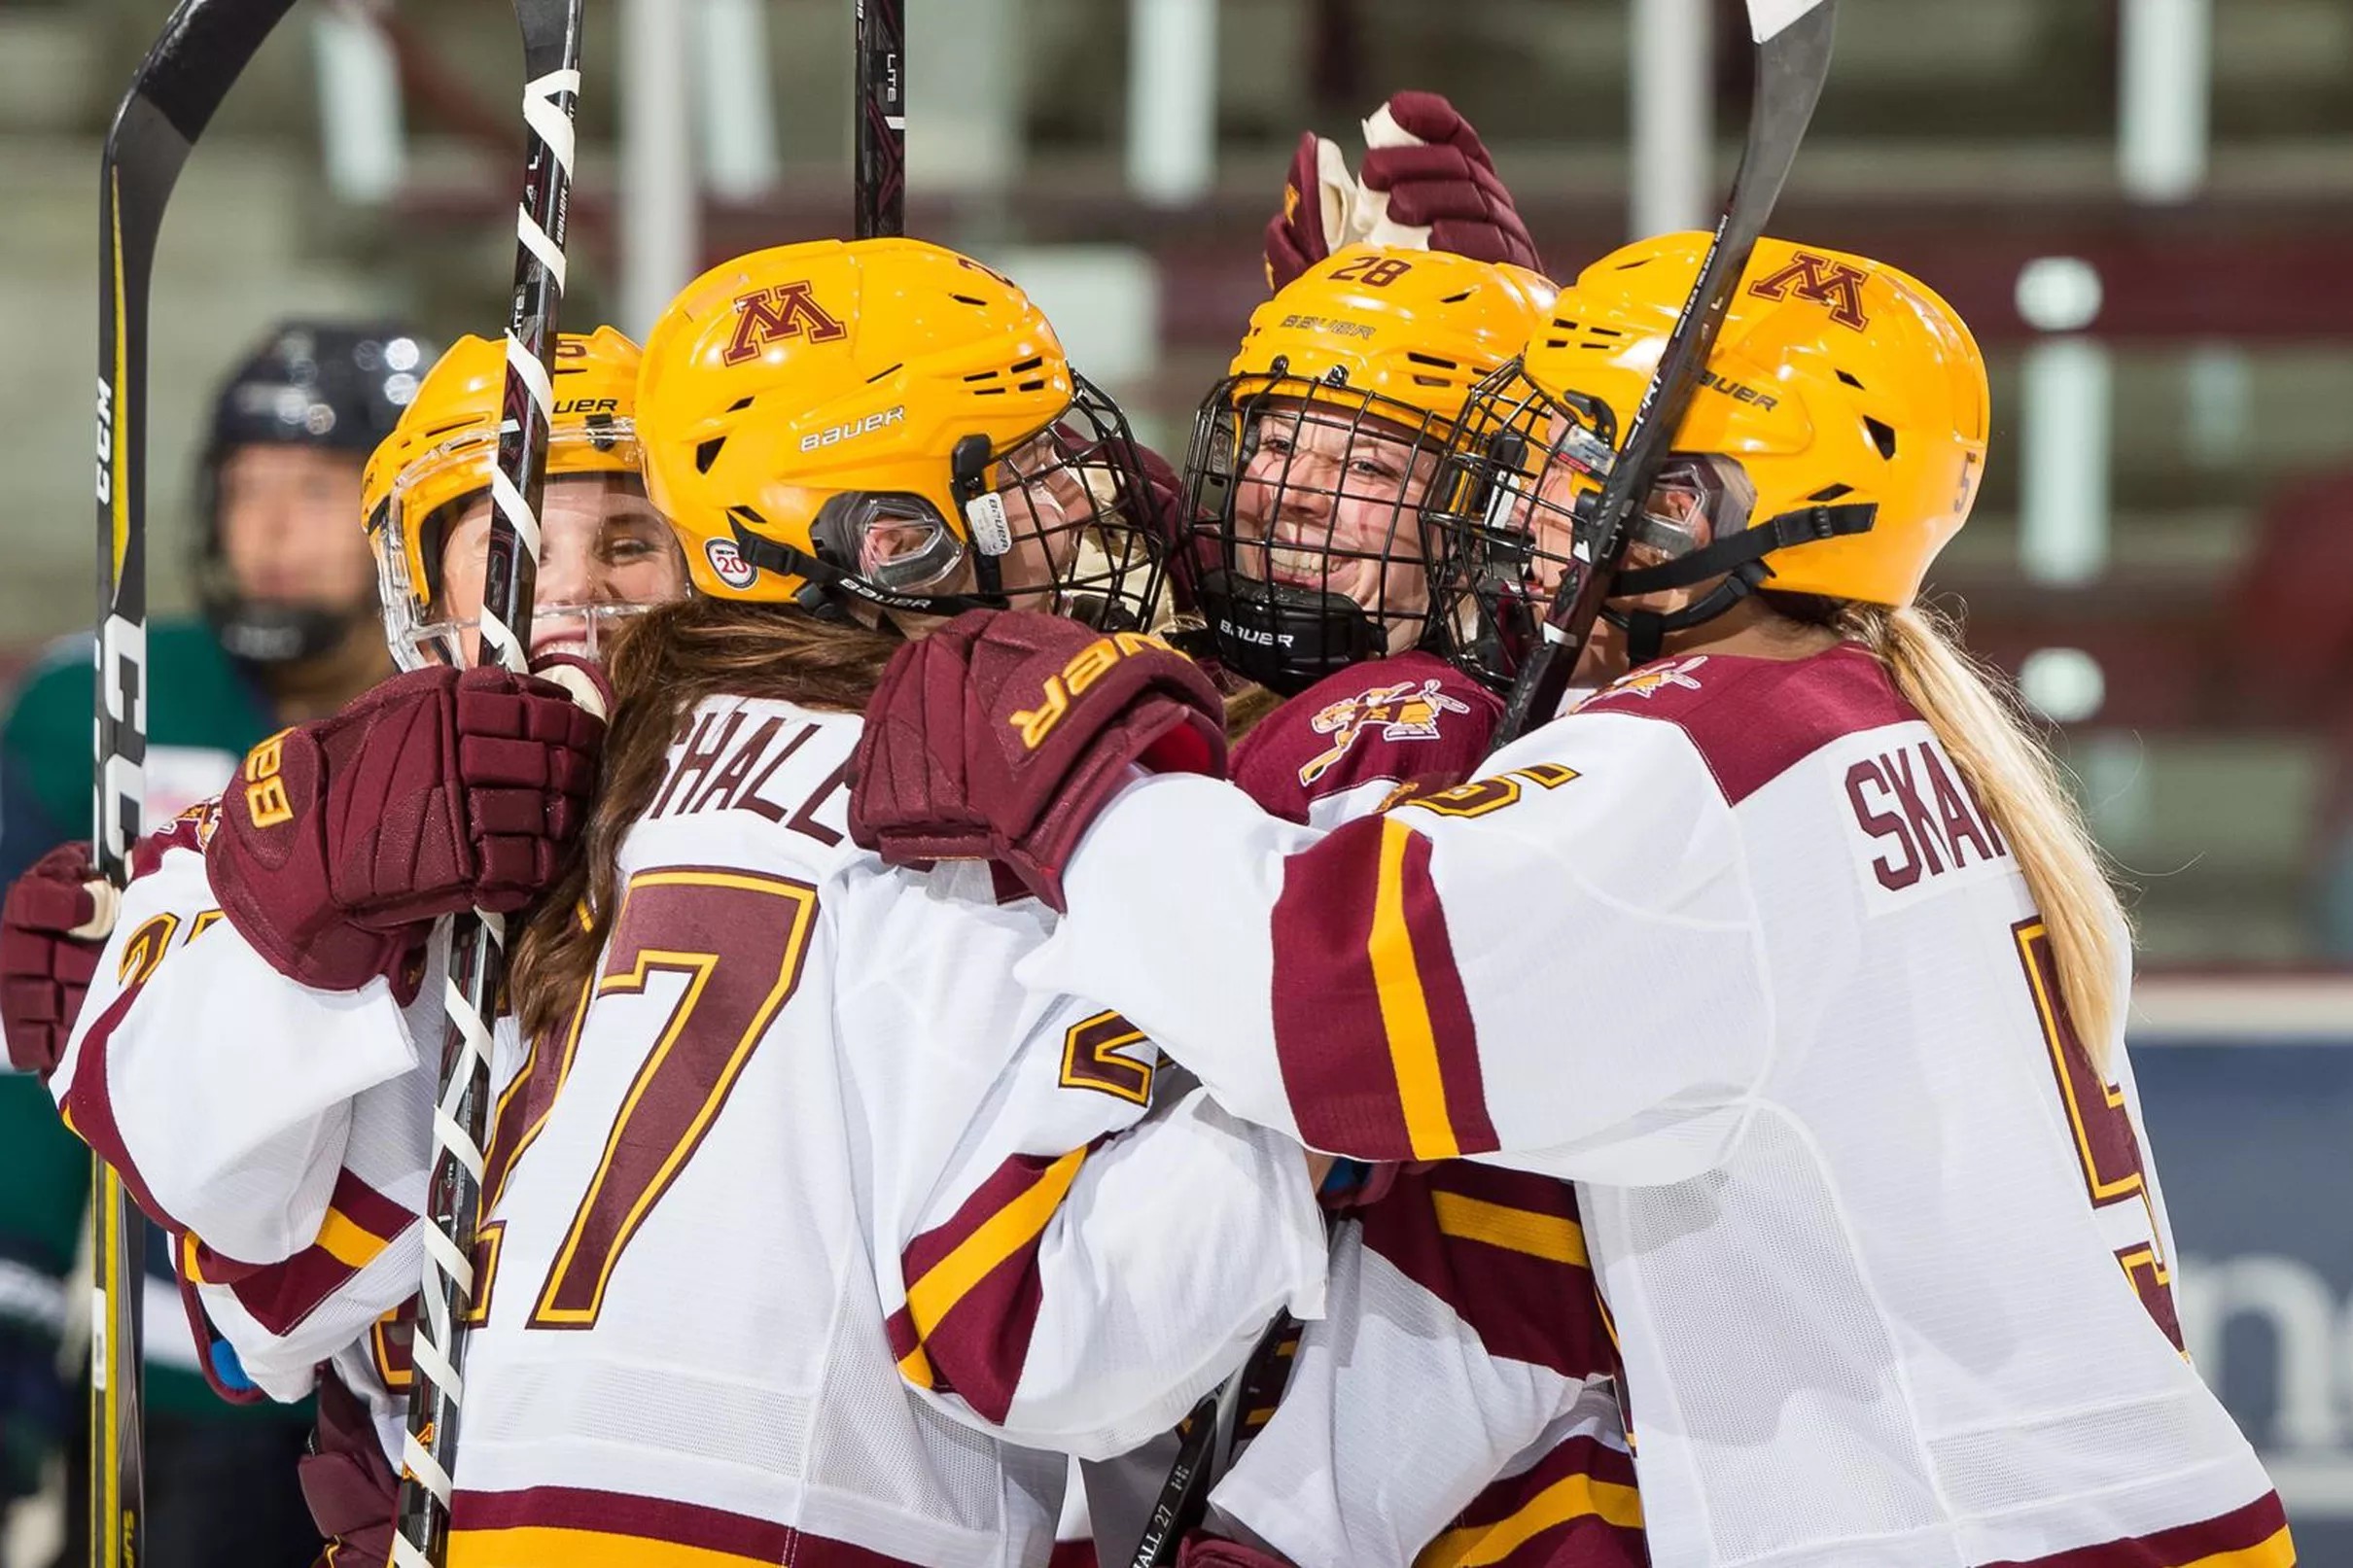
(2019, 781)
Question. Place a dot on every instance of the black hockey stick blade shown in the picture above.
(881, 136)
(1793, 39)
(201, 52)
(1184, 1495)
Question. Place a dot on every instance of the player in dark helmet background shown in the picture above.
(282, 582)
(288, 631)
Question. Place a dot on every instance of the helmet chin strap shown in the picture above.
(281, 635)
(1740, 558)
(1647, 630)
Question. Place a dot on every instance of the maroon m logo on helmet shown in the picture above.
(775, 313)
(1824, 282)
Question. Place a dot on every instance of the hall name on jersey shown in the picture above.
(1921, 824)
(724, 766)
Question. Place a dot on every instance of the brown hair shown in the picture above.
(1246, 708)
(663, 664)
(1984, 729)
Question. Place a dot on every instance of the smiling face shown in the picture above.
(604, 551)
(1327, 501)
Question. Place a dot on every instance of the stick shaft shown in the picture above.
(194, 62)
(1792, 65)
(882, 118)
(552, 54)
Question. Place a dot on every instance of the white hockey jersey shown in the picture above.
(1457, 1403)
(1734, 946)
(804, 1244)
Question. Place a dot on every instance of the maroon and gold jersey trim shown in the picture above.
(2255, 1536)
(1504, 1251)
(973, 1289)
(360, 1224)
(1815, 700)
(580, 1527)
(1379, 1057)
(1577, 1504)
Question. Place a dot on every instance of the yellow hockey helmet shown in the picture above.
(1311, 459)
(442, 452)
(893, 421)
(1834, 445)
(1404, 329)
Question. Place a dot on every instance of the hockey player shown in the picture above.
(261, 1190)
(1787, 947)
(285, 633)
(605, 553)
(970, 1214)
(1459, 1305)
(1311, 459)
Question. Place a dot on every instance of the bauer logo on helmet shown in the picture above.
(851, 430)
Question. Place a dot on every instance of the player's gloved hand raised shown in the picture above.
(1001, 736)
(441, 789)
(1318, 210)
(1428, 184)
(52, 928)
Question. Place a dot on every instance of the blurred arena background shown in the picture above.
(2144, 207)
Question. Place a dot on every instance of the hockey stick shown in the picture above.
(882, 118)
(1201, 1457)
(477, 961)
(1793, 58)
(198, 58)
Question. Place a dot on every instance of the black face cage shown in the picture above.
(1307, 499)
(1062, 521)
(1078, 496)
(1517, 508)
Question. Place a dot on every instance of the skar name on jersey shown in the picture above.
(851, 430)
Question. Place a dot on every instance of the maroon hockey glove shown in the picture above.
(50, 935)
(346, 1479)
(1004, 732)
(440, 790)
(1202, 1550)
(1442, 189)
(1317, 195)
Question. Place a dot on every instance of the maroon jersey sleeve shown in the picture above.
(1410, 718)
